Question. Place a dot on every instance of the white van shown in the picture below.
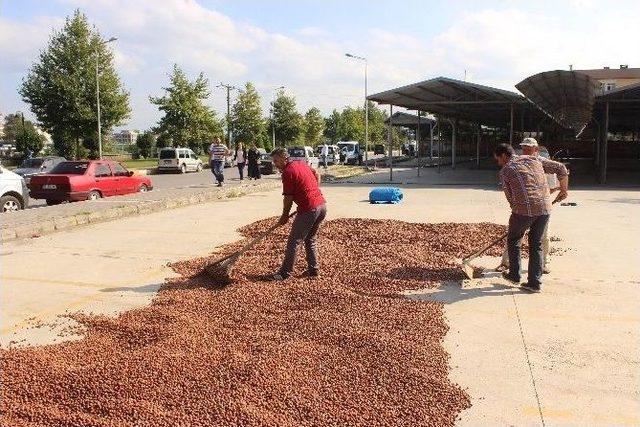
(178, 159)
(305, 154)
(13, 190)
(334, 154)
(350, 152)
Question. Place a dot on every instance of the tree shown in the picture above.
(61, 87)
(351, 125)
(246, 117)
(187, 121)
(288, 122)
(314, 126)
(145, 144)
(331, 125)
(29, 140)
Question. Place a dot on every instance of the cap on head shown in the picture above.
(529, 142)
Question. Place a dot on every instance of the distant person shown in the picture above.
(325, 154)
(525, 186)
(253, 162)
(530, 148)
(217, 152)
(240, 156)
(300, 184)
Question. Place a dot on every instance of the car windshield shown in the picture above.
(168, 154)
(347, 147)
(296, 152)
(71, 168)
(31, 163)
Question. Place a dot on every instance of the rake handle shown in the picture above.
(486, 248)
(254, 241)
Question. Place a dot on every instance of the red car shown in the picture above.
(86, 180)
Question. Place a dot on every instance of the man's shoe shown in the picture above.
(279, 277)
(530, 288)
(313, 272)
(506, 276)
(545, 270)
(501, 267)
(219, 184)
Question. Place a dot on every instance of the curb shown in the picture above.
(143, 207)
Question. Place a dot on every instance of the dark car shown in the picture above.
(36, 165)
(266, 164)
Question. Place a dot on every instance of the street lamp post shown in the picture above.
(112, 39)
(272, 117)
(366, 106)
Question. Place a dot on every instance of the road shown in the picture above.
(167, 181)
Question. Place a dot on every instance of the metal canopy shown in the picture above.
(566, 96)
(467, 101)
(410, 120)
(624, 105)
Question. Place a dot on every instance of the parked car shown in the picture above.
(266, 164)
(14, 194)
(178, 159)
(378, 149)
(36, 165)
(304, 154)
(350, 152)
(86, 180)
(334, 154)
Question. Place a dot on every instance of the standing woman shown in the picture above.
(253, 158)
(240, 157)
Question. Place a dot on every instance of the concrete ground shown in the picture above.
(569, 355)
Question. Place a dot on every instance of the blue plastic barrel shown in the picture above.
(385, 195)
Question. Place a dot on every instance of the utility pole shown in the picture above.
(366, 105)
(228, 87)
(272, 116)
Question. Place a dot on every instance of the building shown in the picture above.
(614, 78)
(125, 138)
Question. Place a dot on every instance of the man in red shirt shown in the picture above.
(300, 184)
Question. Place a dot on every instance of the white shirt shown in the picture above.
(240, 155)
(325, 150)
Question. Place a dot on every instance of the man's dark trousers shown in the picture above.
(304, 229)
(518, 225)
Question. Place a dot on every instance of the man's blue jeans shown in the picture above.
(217, 167)
(518, 225)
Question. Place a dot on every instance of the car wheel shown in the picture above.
(199, 167)
(183, 168)
(143, 188)
(52, 202)
(10, 203)
(94, 195)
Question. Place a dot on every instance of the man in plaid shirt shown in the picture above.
(525, 185)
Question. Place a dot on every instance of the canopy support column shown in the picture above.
(478, 145)
(419, 142)
(605, 137)
(453, 143)
(431, 142)
(511, 127)
(390, 141)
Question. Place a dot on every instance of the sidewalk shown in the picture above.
(47, 219)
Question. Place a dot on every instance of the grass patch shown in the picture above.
(335, 172)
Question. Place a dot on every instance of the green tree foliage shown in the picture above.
(314, 126)
(246, 117)
(146, 144)
(331, 124)
(29, 140)
(61, 87)
(187, 121)
(288, 122)
(351, 125)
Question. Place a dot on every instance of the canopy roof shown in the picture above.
(458, 99)
(624, 107)
(409, 120)
(566, 96)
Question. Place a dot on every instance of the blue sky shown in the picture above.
(301, 44)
